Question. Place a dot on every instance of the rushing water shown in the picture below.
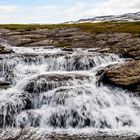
(57, 90)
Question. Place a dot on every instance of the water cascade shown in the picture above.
(53, 88)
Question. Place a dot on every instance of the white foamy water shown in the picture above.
(56, 90)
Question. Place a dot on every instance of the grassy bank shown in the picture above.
(106, 27)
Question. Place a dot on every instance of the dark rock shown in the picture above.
(72, 118)
(67, 49)
(4, 50)
(4, 84)
(9, 109)
(44, 83)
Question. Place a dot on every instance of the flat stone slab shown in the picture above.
(126, 75)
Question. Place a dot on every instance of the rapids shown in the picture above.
(55, 89)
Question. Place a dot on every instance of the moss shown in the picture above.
(103, 27)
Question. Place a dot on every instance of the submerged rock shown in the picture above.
(61, 95)
(12, 103)
(4, 84)
(69, 118)
(47, 82)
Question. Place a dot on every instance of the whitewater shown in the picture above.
(56, 90)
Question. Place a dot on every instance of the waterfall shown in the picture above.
(53, 88)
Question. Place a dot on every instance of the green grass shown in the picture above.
(106, 27)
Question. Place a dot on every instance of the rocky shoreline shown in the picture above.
(125, 44)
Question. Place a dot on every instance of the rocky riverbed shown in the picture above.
(125, 44)
(66, 78)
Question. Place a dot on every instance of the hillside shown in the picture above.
(129, 17)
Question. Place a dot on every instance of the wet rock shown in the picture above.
(75, 119)
(60, 95)
(79, 119)
(11, 105)
(4, 50)
(67, 49)
(126, 75)
(4, 84)
(47, 82)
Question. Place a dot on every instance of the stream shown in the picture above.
(56, 91)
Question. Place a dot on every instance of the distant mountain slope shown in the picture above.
(129, 17)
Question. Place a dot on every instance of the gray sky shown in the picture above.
(57, 11)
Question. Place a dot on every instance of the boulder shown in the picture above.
(126, 75)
